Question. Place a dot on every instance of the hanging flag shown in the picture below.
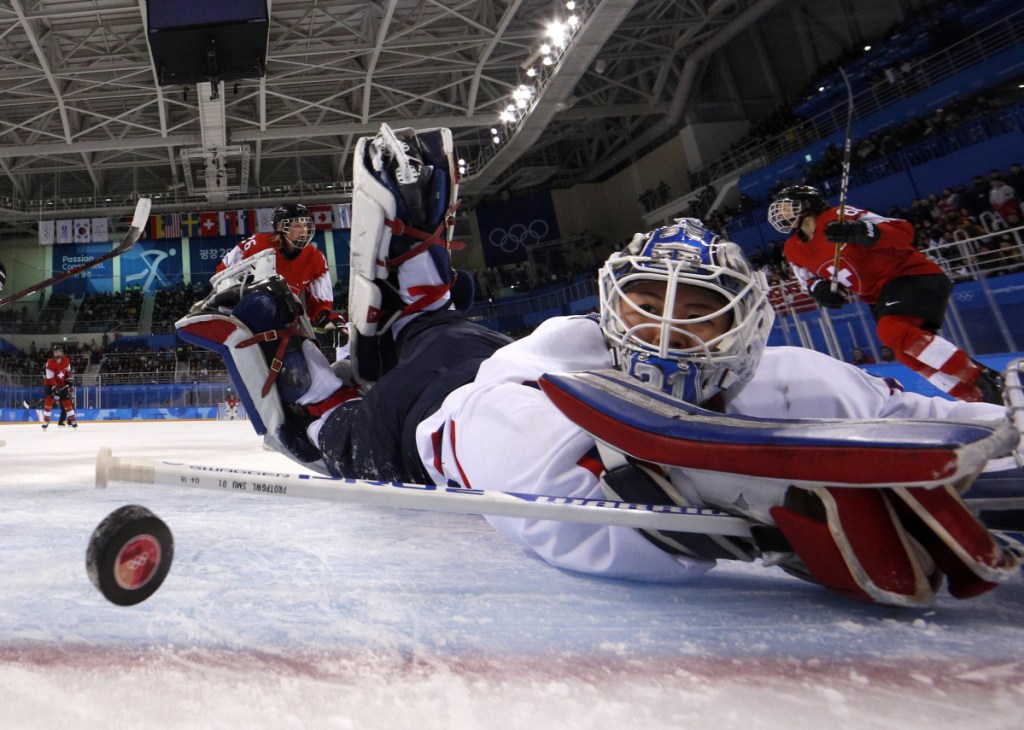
(172, 225)
(265, 220)
(322, 218)
(211, 224)
(342, 215)
(65, 231)
(83, 231)
(46, 232)
(100, 230)
(155, 228)
(190, 225)
(246, 222)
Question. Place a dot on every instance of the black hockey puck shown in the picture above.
(129, 555)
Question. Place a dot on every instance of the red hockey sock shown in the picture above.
(940, 361)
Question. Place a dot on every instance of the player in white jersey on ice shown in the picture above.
(683, 319)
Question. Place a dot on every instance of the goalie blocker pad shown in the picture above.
(650, 426)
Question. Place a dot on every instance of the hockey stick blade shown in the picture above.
(419, 496)
(139, 219)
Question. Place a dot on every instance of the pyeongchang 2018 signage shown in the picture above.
(152, 265)
(509, 227)
(69, 256)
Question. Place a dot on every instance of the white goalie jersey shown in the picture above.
(501, 432)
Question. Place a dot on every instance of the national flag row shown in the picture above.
(191, 225)
(78, 230)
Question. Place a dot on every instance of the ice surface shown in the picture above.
(301, 614)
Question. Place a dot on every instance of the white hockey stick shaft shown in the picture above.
(418, 496)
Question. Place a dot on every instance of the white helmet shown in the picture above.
(686, 253)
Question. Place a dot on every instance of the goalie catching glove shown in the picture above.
(811, 486)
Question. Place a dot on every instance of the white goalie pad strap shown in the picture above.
(651, 426)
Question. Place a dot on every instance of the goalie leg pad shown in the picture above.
(281, 376)
(852, 542)
(404, 197)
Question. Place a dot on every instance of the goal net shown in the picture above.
(225, 413)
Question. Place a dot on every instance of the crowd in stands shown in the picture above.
(171, 303)
(33, 361)
(125, 364)
(655, 197)
(890, 61)
(110, 311)
(965, 229)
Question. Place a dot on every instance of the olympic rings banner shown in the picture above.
(509, 227)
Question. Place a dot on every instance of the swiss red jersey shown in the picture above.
(307, 272)
(864, 270)
(58, 371)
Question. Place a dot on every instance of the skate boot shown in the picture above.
(990, 384)
(403, 206)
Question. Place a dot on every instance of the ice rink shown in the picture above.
(301, 614)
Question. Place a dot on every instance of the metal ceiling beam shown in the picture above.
(683, 89)
(586, 44)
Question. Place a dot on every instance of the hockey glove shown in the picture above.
(859, 233)
(821, 290)
(328, 321)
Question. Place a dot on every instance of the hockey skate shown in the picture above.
(403, 205)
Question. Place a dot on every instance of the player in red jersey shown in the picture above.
(302, 266)
(58, 381)
(907, 291)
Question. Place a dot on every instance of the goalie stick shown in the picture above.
(138, 224)
(447, 499)
(419, 496)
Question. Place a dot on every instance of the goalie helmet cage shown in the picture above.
(224, 413)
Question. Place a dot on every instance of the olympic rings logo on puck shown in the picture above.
(137, 561)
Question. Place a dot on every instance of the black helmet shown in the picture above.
(285, 213)
(792, 204)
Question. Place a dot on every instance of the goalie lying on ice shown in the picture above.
(871, 509)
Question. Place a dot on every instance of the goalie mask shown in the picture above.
(291, 214)
(792, 205)
(684, 311)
